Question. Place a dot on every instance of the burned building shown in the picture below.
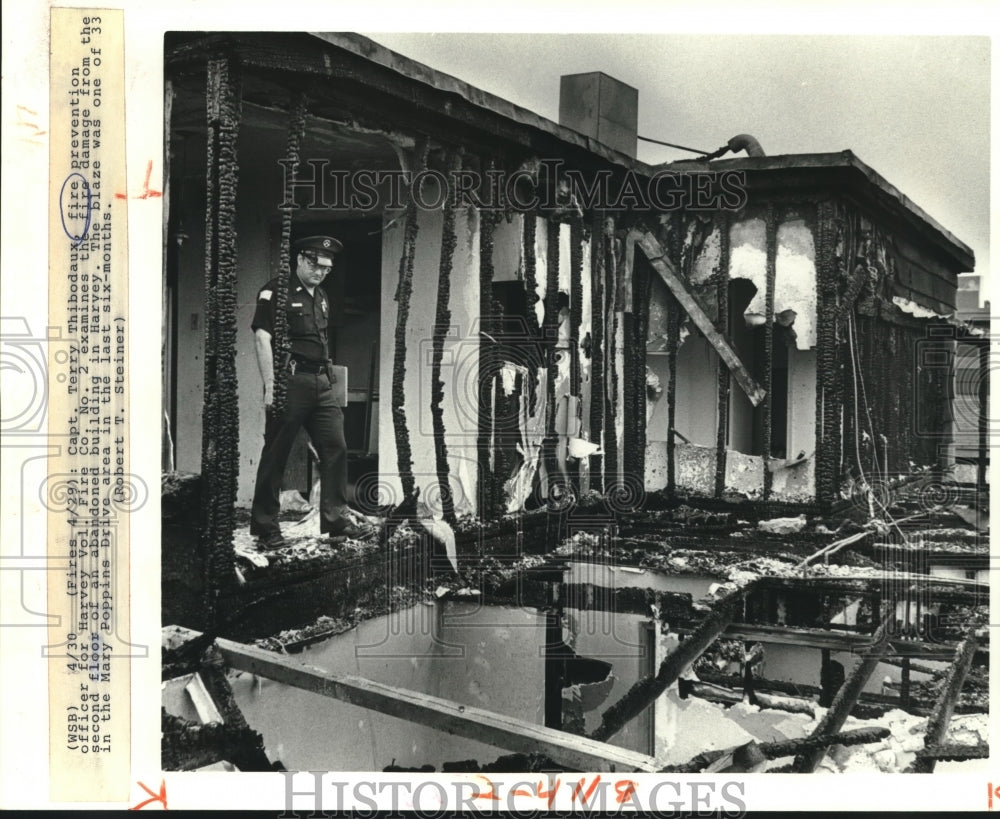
(532, 317)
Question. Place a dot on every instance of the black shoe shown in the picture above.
(344, 530)
(684, 688)
(272, 541)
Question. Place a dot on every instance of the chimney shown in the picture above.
(602, 108)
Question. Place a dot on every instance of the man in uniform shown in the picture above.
(310, 399)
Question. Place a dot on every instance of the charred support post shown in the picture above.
(404, 292)
(167, 448)
(984, 421)
(641, 695)
(553, 665)
(771, 228)
(610, 380)
(842, 704)
(721, 325)
(550, 333)
(220, 421)
(281, 344)
(673, 342)
(904, 685)
(828, 397)
(442, 324)
(636, 296)
(937, 722)
(598, 393)
(490, 485)
(575, 322)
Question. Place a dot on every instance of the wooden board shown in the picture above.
(443, 715)
(661, 264)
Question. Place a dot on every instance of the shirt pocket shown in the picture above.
(298, 322)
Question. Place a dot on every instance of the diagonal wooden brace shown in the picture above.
(657, 257)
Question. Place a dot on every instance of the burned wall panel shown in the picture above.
(460, 401)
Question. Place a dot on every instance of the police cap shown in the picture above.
(318, 244)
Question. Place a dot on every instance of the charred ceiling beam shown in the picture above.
(429, 104)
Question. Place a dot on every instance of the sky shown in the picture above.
(915, 108)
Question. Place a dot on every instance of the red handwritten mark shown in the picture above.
(22, 120)
(160, 797)
(991, 792)
(549, 794)
(540, 792)
(146, 192)
(492, 793)
(624, 789)
(590, 790)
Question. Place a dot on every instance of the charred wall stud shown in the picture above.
(442, 323)
(490, 482)
(644, 289)
(281, 345)
(404, 292)
(636, 294)
(674, 318)
(550, 333)
(576, 239)
(220, 423)
(610, 354)
(597, 395)
(721, 322)
(828, 398)
(771, 234)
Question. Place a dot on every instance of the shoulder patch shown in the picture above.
(264, 295)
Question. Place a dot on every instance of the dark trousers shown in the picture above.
(310, 404)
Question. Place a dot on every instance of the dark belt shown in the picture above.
(304, 365)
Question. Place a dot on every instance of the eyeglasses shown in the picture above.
(313, 259)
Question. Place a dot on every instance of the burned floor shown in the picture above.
(682, 637)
